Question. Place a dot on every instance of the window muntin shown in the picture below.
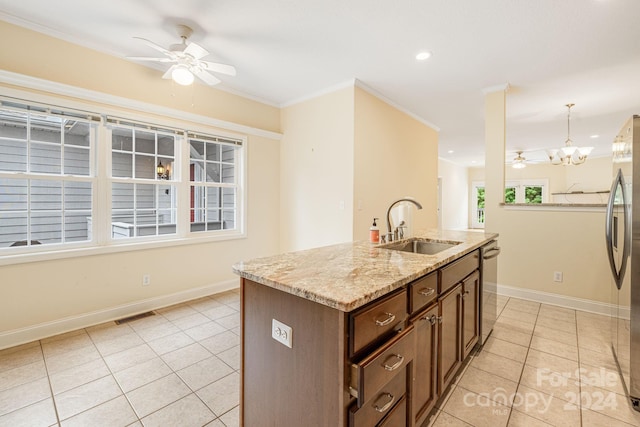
(213, 176)
(46, 178)
(142, 202)
(530, 191)
(49, 163)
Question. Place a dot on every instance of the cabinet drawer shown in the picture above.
(381, 404)
(423, 291)
(376, 320)
(378, 368)
(458, 270)
(397, 417)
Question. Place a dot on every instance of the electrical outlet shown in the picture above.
(557, 276)
(281, 333)
(146, 279)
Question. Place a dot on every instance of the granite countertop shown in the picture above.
(349, 275)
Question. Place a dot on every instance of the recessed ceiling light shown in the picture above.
(595, 136)
(474, 162)
(450, 151)
(422, 56)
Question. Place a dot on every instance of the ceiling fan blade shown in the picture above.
(219, 68)
(196, 51)
(206, 77)
(167, 75)
(147, 58)
(155, 46)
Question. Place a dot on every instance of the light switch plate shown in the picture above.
(281, 333)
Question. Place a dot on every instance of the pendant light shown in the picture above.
(569, 154)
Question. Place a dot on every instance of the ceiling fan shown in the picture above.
(186, 60)
(519, 161)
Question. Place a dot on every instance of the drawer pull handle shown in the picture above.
(395, 365)
(390, 318)
(426, 292)
(387, 405)
(465, 293)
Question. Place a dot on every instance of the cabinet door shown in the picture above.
(470, 313)
(449, 336)
(424, 389)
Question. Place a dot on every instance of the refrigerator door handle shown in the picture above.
(618, 275)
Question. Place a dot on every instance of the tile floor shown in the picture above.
(177, 368)
(542, 366)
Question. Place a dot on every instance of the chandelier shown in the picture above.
(569, 154)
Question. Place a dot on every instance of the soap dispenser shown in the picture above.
(374, 232)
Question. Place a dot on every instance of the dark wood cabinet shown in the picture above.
(470, 313)
(424, 385)
(384, 364)
(449, 336)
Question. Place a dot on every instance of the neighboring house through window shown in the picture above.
(53, 160)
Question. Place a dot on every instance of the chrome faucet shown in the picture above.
(391, 236)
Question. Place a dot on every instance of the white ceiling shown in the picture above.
(550, 52)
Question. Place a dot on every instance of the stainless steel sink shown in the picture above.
(420, 246)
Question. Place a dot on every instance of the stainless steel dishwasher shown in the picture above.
(488, 289)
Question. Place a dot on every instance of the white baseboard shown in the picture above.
(48, 329)
(562, 301)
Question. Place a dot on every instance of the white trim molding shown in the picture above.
(504, 87)
(43, 330)
(562, 301)
(368, 89)
(33, 83)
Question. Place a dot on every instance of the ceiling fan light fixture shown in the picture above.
(182, 75)
(519, 161)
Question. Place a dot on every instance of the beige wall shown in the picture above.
(39, 292)
(594, 175)
(316, 172)
(395, 156)
(455, 190)
(37, 55)
(345, 157)
(535, 242)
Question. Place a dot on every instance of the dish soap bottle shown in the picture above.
(374, 232)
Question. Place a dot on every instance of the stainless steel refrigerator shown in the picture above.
(623, 248)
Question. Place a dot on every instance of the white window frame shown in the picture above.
(93, 121)
(474, 204)
(237, 185)
(521, 184)
(172, 182)
(101, 241)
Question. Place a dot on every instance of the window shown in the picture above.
(142, 194)
(155, 183)
(526, 191)
(213, 180)
(46, 175)
(477, 219)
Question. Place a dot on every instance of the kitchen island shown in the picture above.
(356, 334)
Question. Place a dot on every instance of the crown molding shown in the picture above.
(398, 107)
(504, 87)
(34, 83)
